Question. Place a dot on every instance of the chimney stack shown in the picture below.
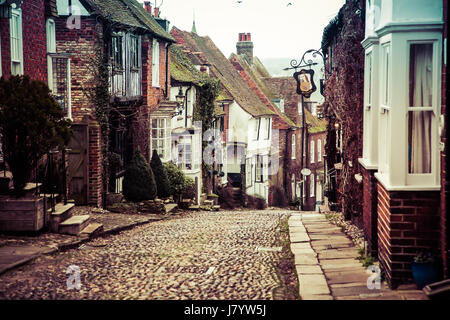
(245, 46)
(157, 12)
(148, 6)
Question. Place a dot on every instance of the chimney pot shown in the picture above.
(157, 12)
(148, 6)
(249, 37)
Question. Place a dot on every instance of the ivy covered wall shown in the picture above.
(344, 96)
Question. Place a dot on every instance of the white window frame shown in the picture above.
(259, 169)
(312, 152)
(155, 63)
(19, 60)
(51, 48)
(248, 172)
(427, 178)
(185, 153)
(268, 128)
(319, 150)
(312, 185)
(165, 151)
(385, 114)
(293, 190)
(293, 146)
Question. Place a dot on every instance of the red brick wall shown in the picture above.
(34, 41)
(81, 43)
(95, 164)
(153, 95)
(370, 214)
(408, 222)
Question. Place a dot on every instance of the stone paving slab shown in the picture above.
(313, 284)
(339, 263)
(337, 277)
(336, 254)
(307, 259)
(305, 269)
(299, 237)
(317, 297)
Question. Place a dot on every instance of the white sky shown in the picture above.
(278, 30)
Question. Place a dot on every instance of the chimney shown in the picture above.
(245, 46)
(157, 12)
(148, 6)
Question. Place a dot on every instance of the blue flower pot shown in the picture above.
(424, 273)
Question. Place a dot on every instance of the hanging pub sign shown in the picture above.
(305, 82)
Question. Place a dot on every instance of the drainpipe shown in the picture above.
(186, 106)
(167, 70)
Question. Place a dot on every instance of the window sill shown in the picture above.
(383, 179)
(367, 165)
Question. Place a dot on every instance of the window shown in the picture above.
(259, 168)
(134, 52)
(116, 52)
(312, 185)
(420, 111)
(161, 138)
(368, 104)
(293, 142)
(51, 36)
(385, 81)
(257, 128)
(299, 107)
(268, 129)
(248, 172)
(16, 42)
(184, 148)
(312, 152)
(293, 187)
(319, 150)
(155, 63)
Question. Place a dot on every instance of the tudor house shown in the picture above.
(136, 49)
(403, 157)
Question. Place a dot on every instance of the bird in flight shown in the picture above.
(289, 4)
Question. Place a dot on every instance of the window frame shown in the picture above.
(293, 146)
(116, 51)
(312, 152)
(19, 60)
(165, 155)
(134, 53)
(312, 185)
(259, 169)
(155, 63)
(425, 178)
(319, 150)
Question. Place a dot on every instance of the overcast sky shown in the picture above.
(278, 30)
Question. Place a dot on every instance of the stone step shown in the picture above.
(194, 208)
(62, 213)
(208, 203)
(170, 207)
(74, 225)
(215, 208)
(92, 229)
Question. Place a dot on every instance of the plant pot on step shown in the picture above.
(425, 273)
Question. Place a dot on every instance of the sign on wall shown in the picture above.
(305, 82)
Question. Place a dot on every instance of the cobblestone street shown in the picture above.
(201, 255)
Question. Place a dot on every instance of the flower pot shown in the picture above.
(424, 273)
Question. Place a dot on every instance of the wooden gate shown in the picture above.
(78, 173)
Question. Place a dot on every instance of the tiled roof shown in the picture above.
(255, 74)
(129, 13)
(207, 53)
(182, 69)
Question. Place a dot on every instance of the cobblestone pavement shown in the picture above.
(199, 255)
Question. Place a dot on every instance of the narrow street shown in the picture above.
(201, 255)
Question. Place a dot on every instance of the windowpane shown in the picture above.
(419, 141)
(421, 75)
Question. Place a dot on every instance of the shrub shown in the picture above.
(226, 198)
(138, 181)
(162, 182)
(32, 123)
(279, 198)
(176, 179)
(189, 191)
(256, 202)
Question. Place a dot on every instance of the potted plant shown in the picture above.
(425, 269)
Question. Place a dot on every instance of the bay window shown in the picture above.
(384, 145)
(161, 138)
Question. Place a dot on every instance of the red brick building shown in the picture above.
(123, 38)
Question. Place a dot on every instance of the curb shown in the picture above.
(76, 243)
